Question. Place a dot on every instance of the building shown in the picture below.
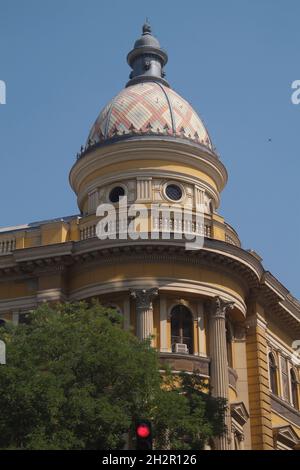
(213, 310)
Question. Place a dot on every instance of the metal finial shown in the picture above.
(147, 59)
(146, 27)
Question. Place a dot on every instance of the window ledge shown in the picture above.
(285, 409)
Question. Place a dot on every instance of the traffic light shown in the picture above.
(143, 435)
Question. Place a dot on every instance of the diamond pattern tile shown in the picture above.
(148, 107)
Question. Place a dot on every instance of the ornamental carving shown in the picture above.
(144, 297)
(218, 307)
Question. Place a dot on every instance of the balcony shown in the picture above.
(160, 225)
(186, 362)
(231, 236)
(7, 245)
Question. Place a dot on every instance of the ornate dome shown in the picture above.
(149, 108)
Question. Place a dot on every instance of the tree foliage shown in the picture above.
(187, 416)
(75, 379)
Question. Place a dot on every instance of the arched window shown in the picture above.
(294, 389)
(229, 344)
(273, 374)
(182, 328)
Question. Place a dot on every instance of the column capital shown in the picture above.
(144, 297)
(218, 307)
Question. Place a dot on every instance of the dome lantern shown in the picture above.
(147, 59)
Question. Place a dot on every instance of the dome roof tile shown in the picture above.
(149, 106)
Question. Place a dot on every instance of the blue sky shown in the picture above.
(62, 60)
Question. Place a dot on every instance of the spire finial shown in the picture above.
(147, 59)
(147, 26)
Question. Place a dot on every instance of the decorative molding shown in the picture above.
(49, 269)
(20, 303)
(278, 348)
(285, 410)
(50, 295)
(183, 302)
(163, 149)
(164, 284)
(154, 174)
(239, 412)
(285, 435)
(143, 189)
(256, 320)
(228, 257)
(144, 297)
(219, 307)
(186, 362)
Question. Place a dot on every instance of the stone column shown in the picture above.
(219, 364)
(126, 313)
(165, 343)
(15, 317)
(201, 330)
(144, 311)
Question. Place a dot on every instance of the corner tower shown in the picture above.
(149, 144)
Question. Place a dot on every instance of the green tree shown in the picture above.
(187, 416)
(75, 379)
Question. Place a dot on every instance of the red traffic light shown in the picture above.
(143, 430)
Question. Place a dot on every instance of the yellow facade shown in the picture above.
(63, 260)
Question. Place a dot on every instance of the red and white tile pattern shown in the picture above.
(149, 107)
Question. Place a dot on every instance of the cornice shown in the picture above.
(165, 285)
(45, 251)
(217, 253)
(67, 253)
(19, 304)
(280, 346)
(285, 410)
(197, 157)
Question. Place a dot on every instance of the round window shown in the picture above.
(174, 192)
(116, 193)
